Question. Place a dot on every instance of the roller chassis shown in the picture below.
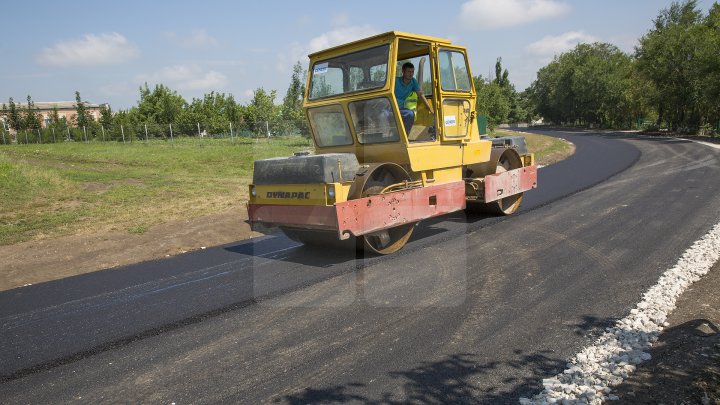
(373, 180)
(369, 214)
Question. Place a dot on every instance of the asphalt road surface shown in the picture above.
(473, 309)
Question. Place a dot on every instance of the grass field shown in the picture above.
(48, 190)
(547, 149)
(72, 188)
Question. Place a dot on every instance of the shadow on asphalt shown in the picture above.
(458, 378)
(325, 256)
(455, 379)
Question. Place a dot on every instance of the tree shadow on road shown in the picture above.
(458, 378)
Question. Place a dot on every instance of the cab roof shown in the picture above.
(386, 35)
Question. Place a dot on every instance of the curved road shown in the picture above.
(472, 309)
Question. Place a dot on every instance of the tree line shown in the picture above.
(498, 100)
(160, 108)
(672, 80)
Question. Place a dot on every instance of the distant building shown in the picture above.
(66, 109)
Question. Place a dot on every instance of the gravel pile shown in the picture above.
(592, 373)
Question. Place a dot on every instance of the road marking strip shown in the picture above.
(593, 372)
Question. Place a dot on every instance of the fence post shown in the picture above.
(53, 132)
(146, 133)
(267, 128)
(122, 131)
(68, 131)
(26, 138)
(102, 128)
(231, 134)
(39, 140)
(3, 133)
(85, 132)
(172, 141)
(199, 134)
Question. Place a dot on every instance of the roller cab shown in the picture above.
(378, 170)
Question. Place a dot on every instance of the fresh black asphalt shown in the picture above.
(471, 309)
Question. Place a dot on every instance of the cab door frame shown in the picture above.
(455, 106)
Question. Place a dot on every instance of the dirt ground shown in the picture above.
(37, 261)
(685, 364)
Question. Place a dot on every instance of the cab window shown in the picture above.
(374, 120)
(454, 74)
(362, 70)
(329, 126)
(422, 73)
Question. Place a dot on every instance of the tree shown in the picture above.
(497, 98)
(491, 102)
(708, 83)
(161, 105)
(292, 112)
(54, 116)
(261, 109)
(57, 124)
(668, 56)
(32, 117)
(585, 86)
(527, 106)
(641, 95)
(82, 116)
(125, 124)
(501, 78)
(3, 121)
(14, 119)
(106, 116)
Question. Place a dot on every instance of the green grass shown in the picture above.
(547, 149)
(49, 190)
(72, 188)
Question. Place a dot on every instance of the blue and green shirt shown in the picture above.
(402, 91)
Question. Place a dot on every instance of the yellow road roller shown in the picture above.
(386, 159)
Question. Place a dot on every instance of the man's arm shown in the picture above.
(421, 96)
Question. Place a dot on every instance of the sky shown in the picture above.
(107, 50)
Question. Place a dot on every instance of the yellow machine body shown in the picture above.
(352, 110)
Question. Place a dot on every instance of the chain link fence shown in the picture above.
(129, 133)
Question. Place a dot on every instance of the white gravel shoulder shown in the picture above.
(592, 373)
